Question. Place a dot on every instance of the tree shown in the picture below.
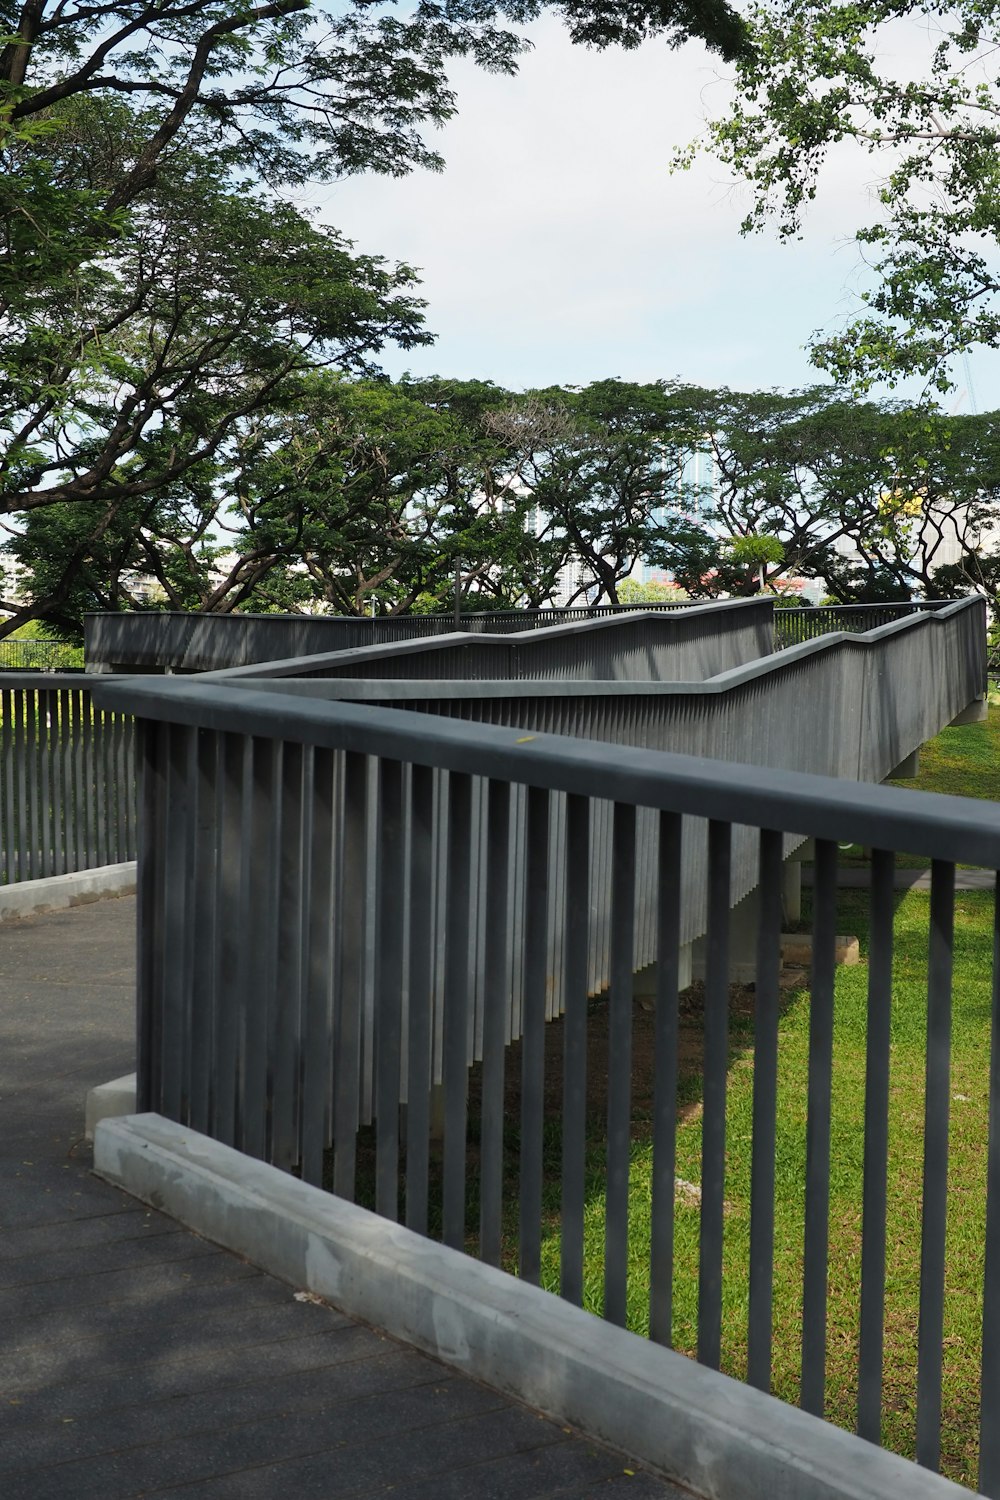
(819, 75)
(603, 467)
(155, 289)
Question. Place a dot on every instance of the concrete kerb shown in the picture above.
(29, 898)
(109, 1101)
(720, 1438)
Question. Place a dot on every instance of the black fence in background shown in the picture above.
(67, 778)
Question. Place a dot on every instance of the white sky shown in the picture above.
(557, 248)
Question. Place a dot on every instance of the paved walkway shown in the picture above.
(137, 1359)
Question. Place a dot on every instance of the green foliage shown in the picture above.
(822, 75)
(632, 592)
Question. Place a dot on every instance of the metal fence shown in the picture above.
(341, 906)
(39, 656)
(685, 645)
(157, 641)
(183, 642)
(67, 799)
(794, 625)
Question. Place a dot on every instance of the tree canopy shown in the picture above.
(162, 302)
(913, 87)
(355, 495)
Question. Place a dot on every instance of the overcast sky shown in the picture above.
(557, 247)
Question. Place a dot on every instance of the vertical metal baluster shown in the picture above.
(574, 1143)
(151, 935)
(60, 761)
(814, 1272)
(87, 800)
(317, 1047)
(99, 721)
(44, 699)
(418, 1058)
(261, 831)
(229, 976)
(351, 990)
(619, 1064)
(496, 1000)
(716, 1065)
(128, 783)
(77, 744)
(175, 995)
(876, 1149)
(989, 1427)
(456, 1017)
(203, 919)
(533, 1035)
(31, 708)
(8, 821)
(388, 986)
(765, 1105)
(930, 1330)
(23, 865)
(288, 979)
(668, 934)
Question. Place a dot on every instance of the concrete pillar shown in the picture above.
(791, 891)
(744, 921)
(644, 981)
(974, 713)
(908, 767)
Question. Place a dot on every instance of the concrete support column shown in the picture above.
(744, 921)
(908, 767)
(644, 981)
(791, 891)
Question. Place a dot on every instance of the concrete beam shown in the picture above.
(720, 1438)
(29, 898)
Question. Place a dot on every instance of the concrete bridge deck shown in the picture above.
(138, 1359)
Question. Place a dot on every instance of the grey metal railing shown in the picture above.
(685, 645)
(158, 641)
(284, 951)
(794, 625)
(184, 642)
(66, 778)
(847, 706)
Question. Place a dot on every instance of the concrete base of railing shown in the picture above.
(29, 898)
(721, 1439)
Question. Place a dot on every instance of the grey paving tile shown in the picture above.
(387, 1370)
(562, 1466)
(82, 1231)
(235, 1314)
(141, 1249)
(414, 1419)
(53, 1308)
(375, 1466)
(182, 1372)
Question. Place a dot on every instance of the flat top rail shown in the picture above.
(948, 828)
